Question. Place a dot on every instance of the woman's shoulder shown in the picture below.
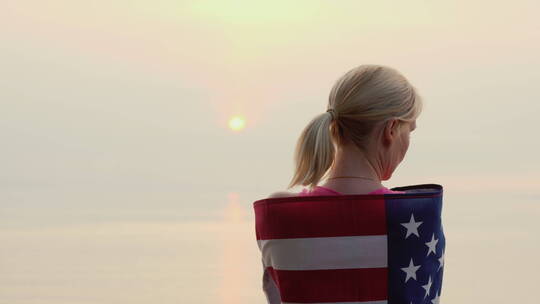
(305, 192)
(282, 194)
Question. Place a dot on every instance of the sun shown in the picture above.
(237, 123)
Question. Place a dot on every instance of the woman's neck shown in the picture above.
(351, 161)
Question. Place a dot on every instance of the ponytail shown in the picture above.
(314, 153)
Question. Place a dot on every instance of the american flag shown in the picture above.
(349, 249)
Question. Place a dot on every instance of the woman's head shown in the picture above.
(374, 110)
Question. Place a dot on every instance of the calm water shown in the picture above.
(492, 256)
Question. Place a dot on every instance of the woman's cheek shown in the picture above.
(406, 142)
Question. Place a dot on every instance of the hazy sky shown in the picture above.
(119, 110)
(121, 103)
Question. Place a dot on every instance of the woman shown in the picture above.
(362, 137)
(349, 248)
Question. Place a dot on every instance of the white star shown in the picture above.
(410, 271)
(441, 261)
(436, 299)
(427, 287)
(431, 245)
(412, 227)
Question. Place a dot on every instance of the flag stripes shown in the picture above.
(341, 285)
(325, 253)
(317, 218)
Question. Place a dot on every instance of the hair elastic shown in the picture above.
(333, 113)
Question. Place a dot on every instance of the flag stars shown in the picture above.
(410, 271)
(427, 287)
(412, 227)
(432, 245)
(441, 261)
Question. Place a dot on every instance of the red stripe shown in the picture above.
(319, 217)
(336, 285)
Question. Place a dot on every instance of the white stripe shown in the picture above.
(325, 253)
(368, 302)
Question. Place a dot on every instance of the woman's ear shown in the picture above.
(390, 131)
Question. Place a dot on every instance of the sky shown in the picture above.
(114, 118)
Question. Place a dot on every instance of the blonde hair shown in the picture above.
(362, 98)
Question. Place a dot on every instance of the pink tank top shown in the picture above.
(319, 190)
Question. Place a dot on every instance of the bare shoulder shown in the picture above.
(281, 194)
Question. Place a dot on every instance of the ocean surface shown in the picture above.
(491, 257)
